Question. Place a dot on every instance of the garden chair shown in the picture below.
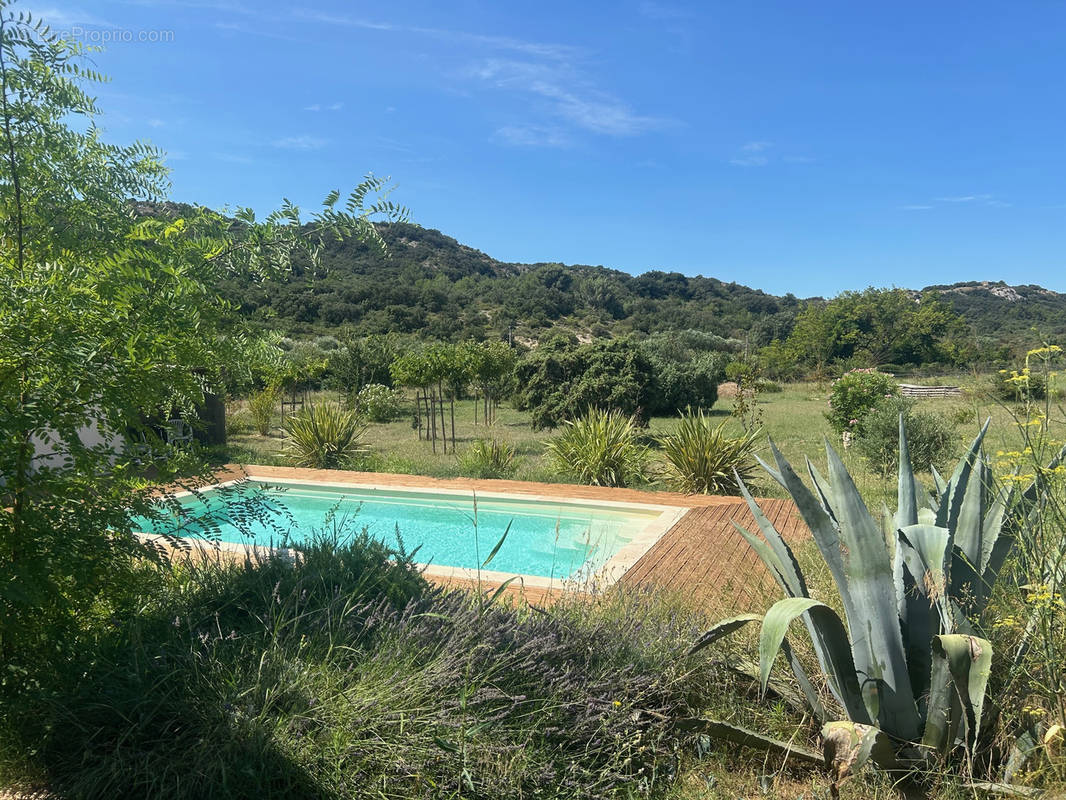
(179, 432)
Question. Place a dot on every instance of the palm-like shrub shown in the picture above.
(487, 459)
(906, 662)
(702, 459)
(324, 437)
(602, 448)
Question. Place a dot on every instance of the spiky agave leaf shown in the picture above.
(831, 640)
(961, 665)
(924, 552)
(720, 629)
(873, 620)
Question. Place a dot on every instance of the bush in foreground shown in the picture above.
(344, 674)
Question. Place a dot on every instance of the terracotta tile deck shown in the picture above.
(701, 556)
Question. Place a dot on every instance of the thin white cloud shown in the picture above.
(983, 199)
(347, 21)
(749, 161)
(566, 95)
(540, 49)
(303, 142)
(977, 200)
(547, 71)
(65, 17)
(761, 153)
(245, 30)
(966, 198)
(232, 158)
(753, 154)
(208, 5)
(558, 52)
(320, 107)
(532, 136)
(156, 123)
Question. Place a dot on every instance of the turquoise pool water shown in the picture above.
(547, 538)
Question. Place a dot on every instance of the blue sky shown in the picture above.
(794, 147)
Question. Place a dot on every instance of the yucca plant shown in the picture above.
(702, 459)
(602, 448)
(488, 459)
(324, 437)
(906, 663)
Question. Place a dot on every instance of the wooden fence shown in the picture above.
(910, 390)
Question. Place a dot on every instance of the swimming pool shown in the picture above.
(454, 531)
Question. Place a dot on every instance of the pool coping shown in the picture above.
(667, 517)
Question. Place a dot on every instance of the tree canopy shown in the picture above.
(109, 320)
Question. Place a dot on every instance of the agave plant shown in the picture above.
(602, 448)
(324, 437)
(702, 459)
(905, 662)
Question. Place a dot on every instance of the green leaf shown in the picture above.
(877, 641)
(927, 608)
(786, 563)
(830, 641)
(818, 521)
(961, 665)
(720, 629)
(770, 559)
(502, 588)
(952, 496)
(735, 734)
(810, 694)
(907, 497)
(499, 544)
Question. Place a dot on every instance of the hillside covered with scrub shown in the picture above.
(430, 284)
